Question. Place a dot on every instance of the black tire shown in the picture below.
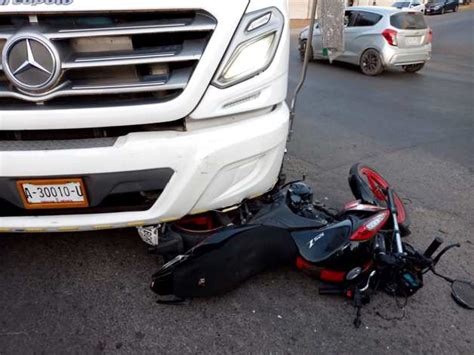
(413, 68)
(304, 43)
(371, 63)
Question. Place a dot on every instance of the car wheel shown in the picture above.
(413, 68)
(443, 11)
(371, 63)
(456, 8)
(304, 43)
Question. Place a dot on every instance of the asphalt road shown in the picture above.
(84, 293)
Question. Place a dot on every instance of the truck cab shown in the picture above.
(128, 113)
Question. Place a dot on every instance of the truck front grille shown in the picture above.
(109, 58)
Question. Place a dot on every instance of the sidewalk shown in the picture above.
(467, 7)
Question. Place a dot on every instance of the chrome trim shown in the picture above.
(6, 35)
(185, 50)
(178, 80)
(199, 24)
(192, 50)
(110, 87)
(29, 60)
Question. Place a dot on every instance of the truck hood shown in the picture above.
(38, 6)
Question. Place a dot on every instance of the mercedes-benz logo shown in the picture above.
(31, 62)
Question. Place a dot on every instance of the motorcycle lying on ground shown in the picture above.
(356, 251)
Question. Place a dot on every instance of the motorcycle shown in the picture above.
(356, 251)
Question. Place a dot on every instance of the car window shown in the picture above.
(366, 19)
(408, 21)
(401, 4)
(349, 18)
(415, 3)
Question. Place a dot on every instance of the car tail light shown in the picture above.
(429, 37)
(390, 36)
(371, 227)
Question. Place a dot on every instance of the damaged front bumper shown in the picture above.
(213, 167)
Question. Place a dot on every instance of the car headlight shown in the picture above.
(253, 47)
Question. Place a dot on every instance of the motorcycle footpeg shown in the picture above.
(173, 301)
(332, 291)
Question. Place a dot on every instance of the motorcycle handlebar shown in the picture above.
(391, 202)
(433, 247)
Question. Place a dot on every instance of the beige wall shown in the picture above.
(299, 9)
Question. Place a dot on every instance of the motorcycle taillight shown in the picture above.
(371, 227)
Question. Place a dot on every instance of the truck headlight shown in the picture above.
(253, 48)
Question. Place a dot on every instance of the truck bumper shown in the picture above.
(212, 168)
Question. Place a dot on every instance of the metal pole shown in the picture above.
(309, 45)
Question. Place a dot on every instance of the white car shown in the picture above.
(377, 38)
(412, 5)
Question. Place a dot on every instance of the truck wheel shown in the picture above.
(303, 46)
(371, 63)
(413, 68)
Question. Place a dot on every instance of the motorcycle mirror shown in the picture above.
(463, 293)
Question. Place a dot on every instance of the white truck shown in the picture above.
(121, 113)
